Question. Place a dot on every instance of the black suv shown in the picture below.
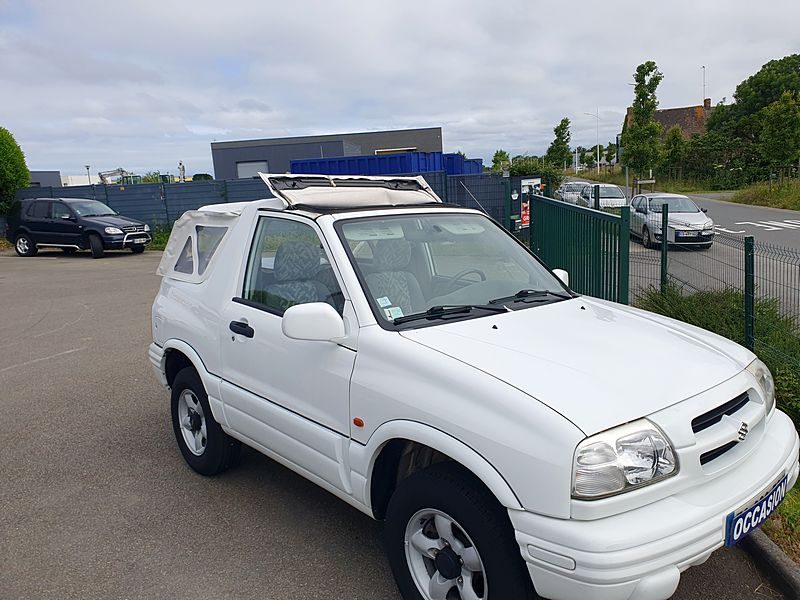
(72, 224)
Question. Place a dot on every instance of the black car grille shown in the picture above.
(716, 452)
(715, 415)
(133, 228)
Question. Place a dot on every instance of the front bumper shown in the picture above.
(640, 554)
(127, 240)
(693, 240)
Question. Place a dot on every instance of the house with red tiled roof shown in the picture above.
(690, 119)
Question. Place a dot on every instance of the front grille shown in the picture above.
(133, 228)
(715, 415)
(716, 452)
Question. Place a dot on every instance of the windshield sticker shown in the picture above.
(373, 231)
(384, 302)
(393, 313)
(462, 228)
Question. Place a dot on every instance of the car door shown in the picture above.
(636, 216)
(288, 397)
(63, 224)
(38, 222)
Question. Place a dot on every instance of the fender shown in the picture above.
(438, 440)
(210, 382)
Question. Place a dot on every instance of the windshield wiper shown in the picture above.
(528, 293)
(435, 312)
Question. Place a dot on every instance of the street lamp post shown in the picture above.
(88, 177)
(597, 134)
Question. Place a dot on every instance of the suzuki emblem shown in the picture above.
(743, 430)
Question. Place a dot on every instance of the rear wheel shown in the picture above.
(96, 246)
(203, 444)
(24, 245)
(447, 537)
(138, 249)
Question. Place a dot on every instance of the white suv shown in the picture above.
(416, 361)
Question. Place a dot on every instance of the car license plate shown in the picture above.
(739, 524)
(140, 241)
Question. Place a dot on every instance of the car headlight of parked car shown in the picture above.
(146, 227)
(622, 459)
(113, 230)
(765, 381)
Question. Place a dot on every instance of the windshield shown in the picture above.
(679, 204)
(574, 187)
(422, 264)
(90, 208)
(611, 192)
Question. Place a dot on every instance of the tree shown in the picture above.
(779, 142)
(559, 153)
(674, 148)
(14, 172)
(499, 157)
(611, 152)
(642, 149)
(201, 177)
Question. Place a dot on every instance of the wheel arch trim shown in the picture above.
(210, 382)
(443, 442)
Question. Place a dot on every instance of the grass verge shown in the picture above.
(5, 244)
(778, 345)
(783, 195)
(160, 237)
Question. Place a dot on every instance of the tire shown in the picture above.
(481, 549)
(646, 242)
(68, 251)
(706, 246)
(96, 246)
(212, 451)
(138, 249)
(24, 245)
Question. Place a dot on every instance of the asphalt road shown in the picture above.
(96, 501)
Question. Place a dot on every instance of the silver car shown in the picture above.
(611, 196)
(570, 191)
(687, 223)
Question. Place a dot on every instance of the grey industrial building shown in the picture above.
(245, 158)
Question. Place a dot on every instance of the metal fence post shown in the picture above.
(664, 246)
(596, 195)
(507, 203)
(623, 269)
(749, 292)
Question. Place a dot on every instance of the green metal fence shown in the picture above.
(591, 245)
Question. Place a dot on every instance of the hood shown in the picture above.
(597, 363)
(112, 221)
(693, 220)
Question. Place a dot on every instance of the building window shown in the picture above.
(247, 170)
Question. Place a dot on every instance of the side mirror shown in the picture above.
(705, 210)
(562, 275)
(313, 322)
(67, 218)
(641, 209)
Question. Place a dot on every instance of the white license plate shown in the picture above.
(739, 524)
(140, 241)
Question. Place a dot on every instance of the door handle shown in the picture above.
(242, 329)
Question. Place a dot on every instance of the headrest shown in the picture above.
(391, 255)
(296, 260)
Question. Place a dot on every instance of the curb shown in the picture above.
(774, 561)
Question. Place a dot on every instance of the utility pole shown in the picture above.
(597, 132)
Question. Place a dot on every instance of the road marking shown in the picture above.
(718, 228)
(38, 360)
(769, 225)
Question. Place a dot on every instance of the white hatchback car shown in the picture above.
(611, 196)
(687, 223)
(418, 362)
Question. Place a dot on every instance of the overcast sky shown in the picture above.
(143, 84)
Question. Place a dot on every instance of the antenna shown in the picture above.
(704, 84)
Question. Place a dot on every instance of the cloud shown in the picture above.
(146, 83)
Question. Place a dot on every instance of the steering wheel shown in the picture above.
(451, 285)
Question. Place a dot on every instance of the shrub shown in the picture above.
(14, 172)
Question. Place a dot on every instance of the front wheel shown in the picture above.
(203, 444)
(448, 537)
(96, 245)
(646, 241)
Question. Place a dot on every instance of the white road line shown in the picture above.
(44, 358)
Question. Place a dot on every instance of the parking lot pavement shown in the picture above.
(97, 501)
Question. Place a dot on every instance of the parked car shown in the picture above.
(72, 224)
(570, 191)
(416, 361)
(611, 196)
(688, 224)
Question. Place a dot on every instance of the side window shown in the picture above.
(59, 211)
(287, 266)
(39, 209)
(208, 240)
(185, 262)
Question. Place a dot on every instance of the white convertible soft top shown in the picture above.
(196, 239)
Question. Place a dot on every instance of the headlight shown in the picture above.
(709, 225)
(622, 459)
(146, 227)
(113, 230)
(765, 381)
